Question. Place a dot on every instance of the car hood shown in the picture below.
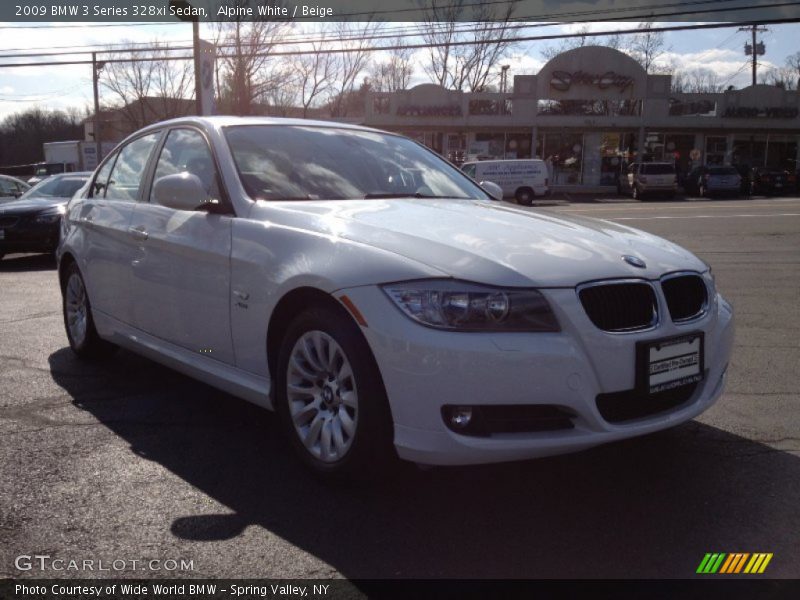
(24, 206)
(495, 243)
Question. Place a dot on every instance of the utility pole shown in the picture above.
(96, 68)
(755, 49)
(184, 5)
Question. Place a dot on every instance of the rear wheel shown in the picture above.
(78, 321)
(524, 196)
(330, 397)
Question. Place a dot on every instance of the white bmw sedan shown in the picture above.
(380, 300)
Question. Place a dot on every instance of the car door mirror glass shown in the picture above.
(491, 188)
(181, 191)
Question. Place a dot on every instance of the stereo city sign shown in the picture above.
(564, 80)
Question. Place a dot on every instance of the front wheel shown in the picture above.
(78, 321)
(330, 397)
(524, 196)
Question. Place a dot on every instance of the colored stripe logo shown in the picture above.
(734, 563)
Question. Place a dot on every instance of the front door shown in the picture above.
(181, 268)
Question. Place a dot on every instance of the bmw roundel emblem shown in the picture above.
(634, 261)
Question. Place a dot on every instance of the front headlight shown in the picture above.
(460, 306)
(51, 215)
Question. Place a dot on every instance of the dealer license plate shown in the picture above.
(672, 362)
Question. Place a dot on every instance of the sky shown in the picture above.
(60, 87)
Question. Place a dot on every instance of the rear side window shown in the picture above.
(126, 176)
(657, 169)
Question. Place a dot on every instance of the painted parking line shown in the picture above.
(751, 216)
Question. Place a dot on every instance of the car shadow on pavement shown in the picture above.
(646, 507)
(27, 262)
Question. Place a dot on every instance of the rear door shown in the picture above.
(104, 218)
(181, 270)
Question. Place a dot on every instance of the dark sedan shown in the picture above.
(768, 182)
(31, 222)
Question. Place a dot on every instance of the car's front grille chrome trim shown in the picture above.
(605, 302)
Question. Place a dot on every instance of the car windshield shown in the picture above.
(56, 187)
(657, 169)
(282, 162)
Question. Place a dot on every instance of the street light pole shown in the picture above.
(96, 125)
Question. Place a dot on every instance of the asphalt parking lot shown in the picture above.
(125, 459)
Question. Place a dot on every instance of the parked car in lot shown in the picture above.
(768, 182)
(380, 301)
(31, 223)
(11, 188)
(712, 180)
(522, 179)
(648, 179)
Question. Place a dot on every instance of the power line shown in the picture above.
(425, 45)
(501, 27)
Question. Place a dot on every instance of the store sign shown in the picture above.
(750, 112)
(564, 80)
(415, 110)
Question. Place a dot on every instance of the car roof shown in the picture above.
(12, 178)
(230, 121)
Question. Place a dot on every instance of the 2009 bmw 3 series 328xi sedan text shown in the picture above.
(381, 301)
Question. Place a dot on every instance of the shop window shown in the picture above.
(590, 108)
(563, 153)
(716, 148)
(518, 145)
(692, 108)
(490, 107)
(380, 105)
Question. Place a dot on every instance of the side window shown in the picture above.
(5, 188)
(186, 151)
(470, 170)
(126, 176)
(101, 181)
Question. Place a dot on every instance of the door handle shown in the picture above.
(138, 233)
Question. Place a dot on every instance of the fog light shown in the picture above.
(461, 416)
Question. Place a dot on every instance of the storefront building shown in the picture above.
(592, 110)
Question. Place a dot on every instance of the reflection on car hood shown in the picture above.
(31, 205)
(492, 242)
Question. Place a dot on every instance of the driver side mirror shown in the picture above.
(182, 191)
(491, 188)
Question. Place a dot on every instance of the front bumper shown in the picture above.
(27, 236)
(424, 369)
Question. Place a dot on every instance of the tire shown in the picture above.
(341, 427)
(524, 196)
(78, 322)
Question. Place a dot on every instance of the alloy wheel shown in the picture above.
(322, 397)
(76, 309)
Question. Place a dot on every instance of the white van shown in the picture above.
(522, 179)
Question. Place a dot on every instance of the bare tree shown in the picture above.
(394, 73)
(648, 47)
(697, 81)
(315, 72)
(246, 72)
(784, 77)
(461, 55)
(148, 90)
(354, 37)
(549, 52)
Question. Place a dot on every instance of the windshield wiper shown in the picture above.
(409, 195)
